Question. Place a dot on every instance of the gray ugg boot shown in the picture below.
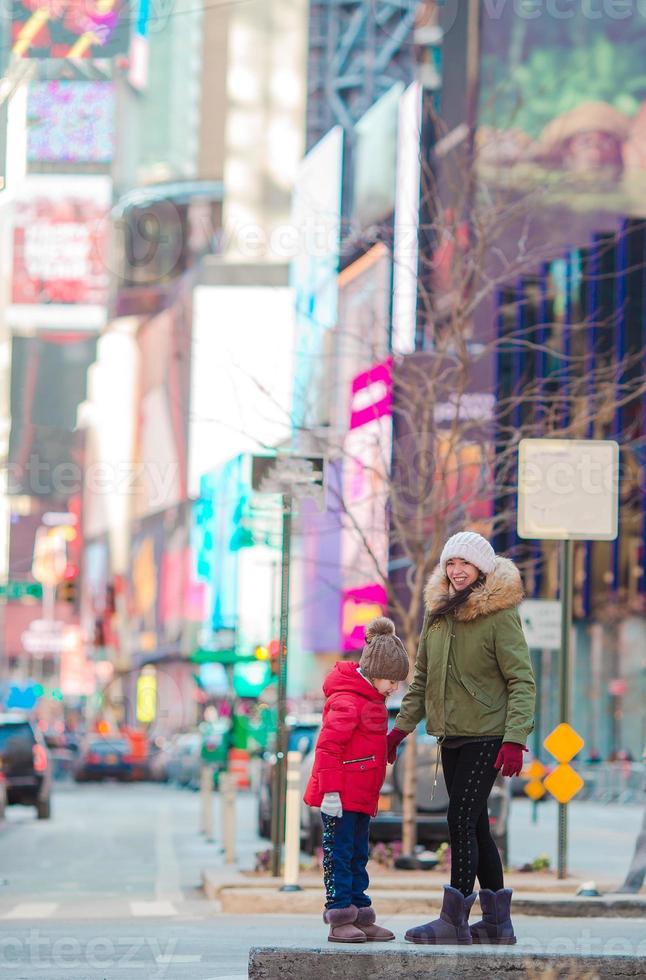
(495, 926)
(365, 921)
(452, 927)
(342, 928)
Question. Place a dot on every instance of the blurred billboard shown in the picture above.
(562, 103)
(69, 28)
(366, 468)
(60, 242)
(241, 373)
(70, 122)
(363, 322)
(316, 226)
(373, 198)
(48, 383)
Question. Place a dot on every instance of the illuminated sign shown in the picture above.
(146, 697)
(93, 29)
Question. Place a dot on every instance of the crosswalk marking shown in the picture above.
(32, 910)
(176, 958)
(152, 908)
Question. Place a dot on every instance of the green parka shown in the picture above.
(473, 673)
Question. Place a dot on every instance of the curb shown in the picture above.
(238, 894)
(359, 963)
(309, 901)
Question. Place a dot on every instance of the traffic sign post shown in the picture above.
(542, 624)
(568, 490)
(292, 476)
(564, 685)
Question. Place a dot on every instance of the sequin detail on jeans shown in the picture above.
(329, 827)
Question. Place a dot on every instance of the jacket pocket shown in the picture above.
(361, 777)
(470, 688)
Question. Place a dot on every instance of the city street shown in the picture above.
(110, 888)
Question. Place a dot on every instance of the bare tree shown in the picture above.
(454, 463)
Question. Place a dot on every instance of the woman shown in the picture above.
(473, 682)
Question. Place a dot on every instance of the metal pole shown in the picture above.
(564, 687)
(227, 786)
(293, 823)
(537, 720)
(280, 774)
(206, 795)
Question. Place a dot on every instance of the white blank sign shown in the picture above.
(541, 619)
(568, 489)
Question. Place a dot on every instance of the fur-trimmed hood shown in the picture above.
(501, 589)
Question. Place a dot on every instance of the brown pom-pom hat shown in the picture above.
(384, 654)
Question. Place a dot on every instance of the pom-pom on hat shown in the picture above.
(471, 547)
(384, 654)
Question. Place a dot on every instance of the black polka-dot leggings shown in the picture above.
(469, 776)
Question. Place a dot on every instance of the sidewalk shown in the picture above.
(415, 894)
(601, 843)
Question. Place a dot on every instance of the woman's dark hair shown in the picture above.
(453, 602)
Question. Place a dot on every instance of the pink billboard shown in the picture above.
(358, 607)
(366, 469)
(59, 252)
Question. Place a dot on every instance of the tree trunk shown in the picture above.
(409, 801)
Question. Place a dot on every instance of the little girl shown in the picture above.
(348, 773)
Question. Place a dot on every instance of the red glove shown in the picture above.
(510, 758)
(394, 737)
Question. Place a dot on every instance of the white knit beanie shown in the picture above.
(471, 547)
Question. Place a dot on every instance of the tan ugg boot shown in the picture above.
(366, 922)
(342, 928)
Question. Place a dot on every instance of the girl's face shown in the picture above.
(385, 687)
(461, 573)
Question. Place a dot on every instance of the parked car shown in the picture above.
(184, 762)
(432, 827)
(104, 757)
(302, 733)
(25, 763)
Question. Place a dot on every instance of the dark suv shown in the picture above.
(24, 761)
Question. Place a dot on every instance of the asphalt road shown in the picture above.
(109, 889)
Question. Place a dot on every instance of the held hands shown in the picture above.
(331, 805)
(394, 737)
(510, 759)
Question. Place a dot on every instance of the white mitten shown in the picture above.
(331, 805)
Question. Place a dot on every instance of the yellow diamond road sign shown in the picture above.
(535, 770)
(563, 783)
(535, 789)
(563, 743)
(534, 773)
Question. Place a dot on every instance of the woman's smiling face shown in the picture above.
(461, 573)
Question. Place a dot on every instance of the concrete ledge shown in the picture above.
(420, 962)
(426, 881)
(241, 900)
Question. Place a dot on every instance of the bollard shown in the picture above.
(228, 816)
(206, 798)
(293, 823)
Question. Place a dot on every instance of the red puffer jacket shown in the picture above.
(350, 754)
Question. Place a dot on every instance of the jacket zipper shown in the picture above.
(365, 758)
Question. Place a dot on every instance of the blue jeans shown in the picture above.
(345, 856)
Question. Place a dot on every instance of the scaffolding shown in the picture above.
(357, 50)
